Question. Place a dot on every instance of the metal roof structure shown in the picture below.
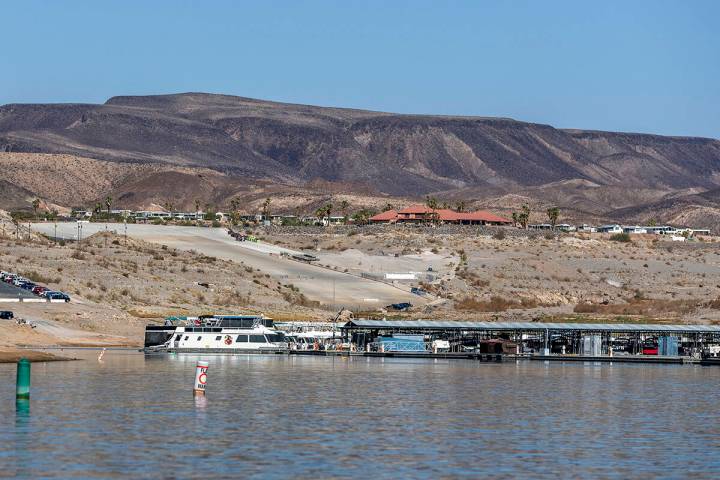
(527, 326)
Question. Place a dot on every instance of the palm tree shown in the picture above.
(328, 211)
(460, 206)
(35, 206)
(553, 213)
(432, 204)
(524, 216)
(108, 203)
(324, 212)
(343, 207)
(197, 205)
(515, 219)
(320, 213)
(234, 206)
(388, 206)
(266, 208)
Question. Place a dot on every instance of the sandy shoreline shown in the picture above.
(12, 355)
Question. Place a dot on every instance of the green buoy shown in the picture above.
(23, 378)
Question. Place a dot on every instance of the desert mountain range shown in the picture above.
(188, 148)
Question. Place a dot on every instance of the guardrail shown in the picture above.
(29, 300)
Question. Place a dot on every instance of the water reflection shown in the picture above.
(274, 417)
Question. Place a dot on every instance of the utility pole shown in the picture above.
(79, 234)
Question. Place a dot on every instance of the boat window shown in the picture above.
(257, 338)
(275, 337)
(242, 338)
(218, 337)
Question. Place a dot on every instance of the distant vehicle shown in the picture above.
(417, 291)
(305, 257)
(28, 286)
(57, 296)
(6, 315)
(400, 307)
(38, 290)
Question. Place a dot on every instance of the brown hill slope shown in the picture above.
(245, 145)
(397, 154)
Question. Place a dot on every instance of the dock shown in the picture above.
(617, 359)
(483, 357)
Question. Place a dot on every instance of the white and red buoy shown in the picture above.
(200, 378)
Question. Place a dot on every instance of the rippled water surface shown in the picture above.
(278, 416)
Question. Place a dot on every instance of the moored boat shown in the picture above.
(216, 334)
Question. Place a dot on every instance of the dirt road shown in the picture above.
(317, 283)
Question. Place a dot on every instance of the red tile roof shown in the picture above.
(384, 216)
(416, 209)
(443, 214)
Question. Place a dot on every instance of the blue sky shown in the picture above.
(645, 66)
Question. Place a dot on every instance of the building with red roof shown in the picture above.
(389, 216)
(422, 213)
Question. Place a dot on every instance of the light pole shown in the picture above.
(79, 234)
(55, 231)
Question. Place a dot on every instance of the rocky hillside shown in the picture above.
(387, 154)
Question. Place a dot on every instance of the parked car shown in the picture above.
(28, 286)
(399, 306)
(39, 289)
(57, 296)
(6, 315)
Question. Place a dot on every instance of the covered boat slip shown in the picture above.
(631, 341)
(424, 326)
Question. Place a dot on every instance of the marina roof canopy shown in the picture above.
(432, 325)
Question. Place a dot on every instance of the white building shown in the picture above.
(610, 229)
(633, 229)
(585, 228)
(540, 226)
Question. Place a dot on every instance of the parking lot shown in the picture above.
(11, 291)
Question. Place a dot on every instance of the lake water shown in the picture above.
(309, 417)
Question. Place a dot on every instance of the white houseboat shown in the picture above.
(216, 334)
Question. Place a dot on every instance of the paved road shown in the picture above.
(11, 291)
(326, 286)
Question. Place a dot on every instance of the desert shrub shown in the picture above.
(300, 299)
(648, 307)
(494, 304)
(499, 235)
(715, 304)
(620, 237)
(40, 278)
